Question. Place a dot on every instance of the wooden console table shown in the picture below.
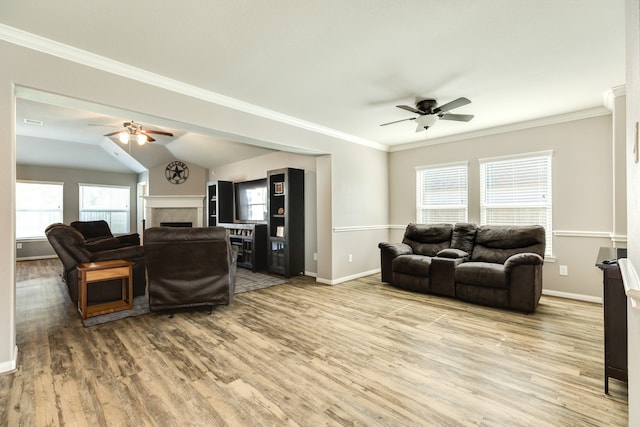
(614, 301)
(100, 271)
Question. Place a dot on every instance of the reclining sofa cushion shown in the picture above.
(482, 274)
(495, 243)
(98, 230)
(428, 240)
(418, 265)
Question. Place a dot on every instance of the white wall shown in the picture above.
(583, 177)
(633, 199)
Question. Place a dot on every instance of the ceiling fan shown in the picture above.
(429, 112)
(134, 132)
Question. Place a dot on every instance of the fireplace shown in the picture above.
(174, 209)
(176, 224)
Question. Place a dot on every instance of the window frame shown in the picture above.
(422, 208)
(547, 204)
(51, 220)
(114, 229)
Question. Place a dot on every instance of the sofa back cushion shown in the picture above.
(496, 243)
(464, 236)
(428, 239)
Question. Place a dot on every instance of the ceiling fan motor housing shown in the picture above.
(426, 105)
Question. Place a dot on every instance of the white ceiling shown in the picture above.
(341, 64)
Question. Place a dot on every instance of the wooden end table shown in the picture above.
(95, 272)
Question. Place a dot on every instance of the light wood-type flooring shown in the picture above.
(303, 354)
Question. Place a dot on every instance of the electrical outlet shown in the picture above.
(350, 258)
(315, 256)
(564, 270)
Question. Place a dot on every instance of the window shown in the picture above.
(38, 205)
(109, 203)
(442, 194)
(517, 191)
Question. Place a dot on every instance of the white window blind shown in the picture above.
(38, 205)
(110, 203)
(441, 194)
(517, 191)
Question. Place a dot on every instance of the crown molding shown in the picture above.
(70, 53)
(610, 95)
(544, 121)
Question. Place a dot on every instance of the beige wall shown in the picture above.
(351, 178)
(583, 182)
(195, 185)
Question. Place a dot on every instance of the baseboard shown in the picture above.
(569, 295)
(347, 278)
(35, 258)
(11, 365)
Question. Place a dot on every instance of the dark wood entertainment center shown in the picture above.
(275, 244)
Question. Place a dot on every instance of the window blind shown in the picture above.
(441, 194)
(517, 191)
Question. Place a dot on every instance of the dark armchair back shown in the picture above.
(189, 267)
(93, 231)
(72, 249)
(428, 239)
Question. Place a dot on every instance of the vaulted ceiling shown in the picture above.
(339, 64)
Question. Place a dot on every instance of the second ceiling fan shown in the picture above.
(429, 112)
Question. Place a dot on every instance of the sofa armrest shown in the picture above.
(452, 254)
(527, 258)
(389, 251)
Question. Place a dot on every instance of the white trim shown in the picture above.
(70, 53)
(34, 258)
(545, 121)
(347, 229)
(592, 234)
(630, 281)
(442, 165)
(569, 295)
(348, 278)
(544, 153)
(10, 365)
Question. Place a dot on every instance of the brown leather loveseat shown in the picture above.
(499, 266)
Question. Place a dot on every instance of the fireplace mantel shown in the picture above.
(174, 202)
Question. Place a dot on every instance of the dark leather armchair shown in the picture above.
(93, 231)
(72, 250)
(189, 267)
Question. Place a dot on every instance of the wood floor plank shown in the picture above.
(305, 354)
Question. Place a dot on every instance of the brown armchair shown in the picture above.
(189, 267)
(72, 250)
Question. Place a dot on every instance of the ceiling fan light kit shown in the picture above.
(429, 112)
(134, 132)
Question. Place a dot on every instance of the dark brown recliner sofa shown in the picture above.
(189, 267)
(72, 249)
(493, 265)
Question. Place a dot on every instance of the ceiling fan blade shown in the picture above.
(146, 133)
(113, 133)
(451, 105)
(456, 117)
(96, 124)
(413, 110)
(397, 121)
(158, 132)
